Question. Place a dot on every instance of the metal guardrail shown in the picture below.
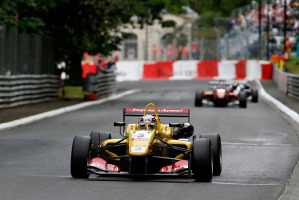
(19, 90)
(293, 86)
(286, 82)
(280, 78)
(106, 84)
(101, 84)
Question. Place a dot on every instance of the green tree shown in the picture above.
(82, 25)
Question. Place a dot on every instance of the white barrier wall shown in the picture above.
(253, 70)
(194, 69)
(129, 70)
(227, 69)
(184, 69)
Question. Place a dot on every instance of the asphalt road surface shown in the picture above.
(260, 150)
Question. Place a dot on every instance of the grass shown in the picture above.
(75, 92)
(293, 65)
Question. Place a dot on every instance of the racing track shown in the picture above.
(260, 150)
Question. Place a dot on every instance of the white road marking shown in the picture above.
(258, 144)
(63, 110)
(247, 184)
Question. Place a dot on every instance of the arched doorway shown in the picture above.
(130, 46)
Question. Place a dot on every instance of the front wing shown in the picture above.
(100, 166)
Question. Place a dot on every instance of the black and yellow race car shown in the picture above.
(149, 148)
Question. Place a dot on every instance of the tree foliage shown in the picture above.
(82, 25)
(94, 25)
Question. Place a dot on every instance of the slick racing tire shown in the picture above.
(201, 163)
(254, 95)
(242, 100)
(97, 137)
(79, 158)
(198, 98)
(216, 151)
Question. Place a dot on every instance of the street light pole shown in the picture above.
(260, 29)
(285, 26)
(268, 28)
(146, 42)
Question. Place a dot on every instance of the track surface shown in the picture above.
(260, 150)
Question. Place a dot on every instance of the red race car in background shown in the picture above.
(221, 94)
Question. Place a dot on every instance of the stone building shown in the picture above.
(153, 42)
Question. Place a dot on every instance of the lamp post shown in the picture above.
(285, 27)
(146, 43)
(268, 27)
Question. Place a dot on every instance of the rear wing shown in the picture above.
(215, 83)
(227, 82)
(139, 112)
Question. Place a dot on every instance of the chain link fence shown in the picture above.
(25, 54)
(239, 45)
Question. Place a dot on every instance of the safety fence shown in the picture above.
(286, 82)
(22, 53)
(101, 84)
(293, 86)
(27, 89)
(211, 69)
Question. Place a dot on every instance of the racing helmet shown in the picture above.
(147, 122)
(221, 85)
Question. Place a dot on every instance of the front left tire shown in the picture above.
(201, 163)
(242, 99)
(216, 150)
(254, 95)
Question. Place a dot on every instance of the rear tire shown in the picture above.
(97, 137)
(254, 95)
(198, 98)
(201, 163)
(216, 150)
(79, 158)
(242, 100)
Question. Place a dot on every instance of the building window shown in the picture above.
(168, 24)
(130, 46)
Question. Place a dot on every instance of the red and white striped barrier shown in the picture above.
(176, 70)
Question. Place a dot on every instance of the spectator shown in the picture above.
(170, 52)
(195, 51)
(162, 53)
(154, 52)
(184, 53)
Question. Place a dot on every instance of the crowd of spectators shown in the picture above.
(172, 52)
(274, 16)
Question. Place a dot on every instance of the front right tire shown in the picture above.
(198, 98)
(80, 156)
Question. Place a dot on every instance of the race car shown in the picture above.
(243, 85)
(149, 148)
(221, 94)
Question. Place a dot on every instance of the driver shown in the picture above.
(147, 122)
